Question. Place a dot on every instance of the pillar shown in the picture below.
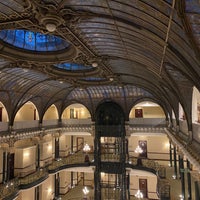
(97, 173)
(56, 185)
(170, 153)
(189, 181)
(175, 163)
(181, 167)
(196, 185)
(4, 167)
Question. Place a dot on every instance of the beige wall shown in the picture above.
(25, 161)
(47, 189)
(46, 152)
(51, 113)
(80, 110)
(26, 113)
(65, 181)
(27, 194)
(157, 145)
(149, 112)
(65, 147)
(151, 184)
(4, 113)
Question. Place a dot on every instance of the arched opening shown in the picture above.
(51, 113)
(196, 106)
(147, 113)
(28, 112)
(3, 113)
(146, 109)
(76, 111)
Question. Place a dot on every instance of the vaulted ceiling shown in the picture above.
(128, 50)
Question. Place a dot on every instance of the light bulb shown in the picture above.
(51, 27)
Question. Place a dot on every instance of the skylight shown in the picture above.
(72, 67)
(33, 41)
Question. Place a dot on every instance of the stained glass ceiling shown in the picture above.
(33, 41)
(72, 67)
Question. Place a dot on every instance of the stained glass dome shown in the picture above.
(73, 67)
(33, 41)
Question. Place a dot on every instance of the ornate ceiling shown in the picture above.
(123, 50)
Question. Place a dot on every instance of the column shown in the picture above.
(4, 167)
(196, 185)
(38, 156)
(181, 167)
(57, 148)
(56, 186)
(189, 181)
(175, 163)
(170, 153)
(97, 173)
(123, 161)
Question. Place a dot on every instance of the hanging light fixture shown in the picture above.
(139, 194)
(86, 148)
(138, 150)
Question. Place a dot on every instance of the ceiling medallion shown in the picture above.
(50, 21)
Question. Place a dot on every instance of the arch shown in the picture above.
(3, 113)
(51, 113)
(28, 112)
(146, 109)
(109, 113)
(195, 106)
(76, 111)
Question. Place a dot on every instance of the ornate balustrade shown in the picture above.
(10, 189)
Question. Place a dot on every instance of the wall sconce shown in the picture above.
(49, 147)
(138, 149)
(26, 154)
(86, 148)
(139, 194)
(85, 190)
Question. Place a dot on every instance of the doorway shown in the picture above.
(79, 143)
(143, 187)
(143, 145)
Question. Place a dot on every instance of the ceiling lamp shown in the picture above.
(50, 21)
(94, 64)
(51, 27)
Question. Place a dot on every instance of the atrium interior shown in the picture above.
(99, 99)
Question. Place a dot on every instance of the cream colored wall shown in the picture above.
(65, 147)
(81, 110)
(26, 113)
(46, 152)
(151, 185)
(157, 145)
(4, 113)
(65, 181)
(51, 113)
(25, 157)
(47, 188)
(89, 179)
(27, 194)
(149, 112)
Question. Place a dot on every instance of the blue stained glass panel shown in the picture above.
(73, 67)
(33, 41)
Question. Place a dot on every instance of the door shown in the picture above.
(79, 143)
(138, 113)
(143, 187)
(1, 113)
(143, 145)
